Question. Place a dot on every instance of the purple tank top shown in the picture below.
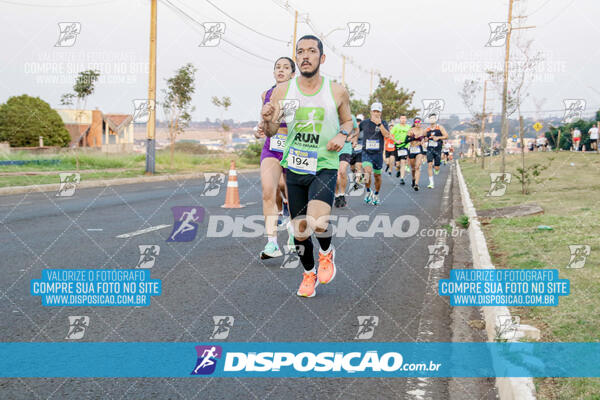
(267, 146)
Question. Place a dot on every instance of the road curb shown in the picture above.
(508, 388)
(53, 187)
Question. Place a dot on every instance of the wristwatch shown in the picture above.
(378, 125)
(344, 132)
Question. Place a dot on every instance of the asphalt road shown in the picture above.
(377, 276)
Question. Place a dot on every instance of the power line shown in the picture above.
(539, 8)
(558, 14)
(76, 4)
(246, 26)
(195, 21)
(290, 9)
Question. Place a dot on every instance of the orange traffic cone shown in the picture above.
(232, 196)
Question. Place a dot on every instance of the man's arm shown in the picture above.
(342, 100)
(271, 112)
(353, 133)
(385, 132)
(353, 137)
(444, 133)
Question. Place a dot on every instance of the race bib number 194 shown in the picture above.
(304, 161)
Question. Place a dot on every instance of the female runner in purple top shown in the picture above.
(273, 184)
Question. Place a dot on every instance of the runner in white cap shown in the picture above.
(375, 130)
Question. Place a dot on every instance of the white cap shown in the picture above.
(361, 117)
(376, 107)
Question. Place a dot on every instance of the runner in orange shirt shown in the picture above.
(390, 154)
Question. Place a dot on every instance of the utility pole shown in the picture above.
(504, 131)
(483, 116)
(343, 70)
(151, 125)
(523, 187)
(295, 31)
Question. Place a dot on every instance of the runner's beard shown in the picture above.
(310, 74)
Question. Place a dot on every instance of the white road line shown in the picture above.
(94, 229)
(15, 204)
(427, 322)
(142, 231)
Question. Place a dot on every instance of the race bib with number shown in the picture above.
(302, 161)
(278, 143)
(358, 147)
(432, 143)
(402, 152)
(415, 150)
(372, 144)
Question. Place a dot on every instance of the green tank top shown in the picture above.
(399, 132)
(313, 124)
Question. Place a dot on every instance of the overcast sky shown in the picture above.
(430, 47)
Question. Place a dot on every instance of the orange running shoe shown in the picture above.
(326, 271)
(308, 285)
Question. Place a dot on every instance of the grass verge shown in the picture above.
(122, 165)
(569, 192)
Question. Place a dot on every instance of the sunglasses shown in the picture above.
(417, 121)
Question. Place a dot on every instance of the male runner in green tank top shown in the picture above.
(317, 131)
(400, 131)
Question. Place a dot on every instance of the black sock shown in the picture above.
(324, 238)
(305, 253)
(324, 242)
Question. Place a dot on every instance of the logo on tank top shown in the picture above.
(309, 122)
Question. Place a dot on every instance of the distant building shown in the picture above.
(91, 128)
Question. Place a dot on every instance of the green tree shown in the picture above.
(83, 88)
(225, 103)
(358, 106)
(67, 99)
(395, 100)
(177, 102)
(566, 137)
(23, 119)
